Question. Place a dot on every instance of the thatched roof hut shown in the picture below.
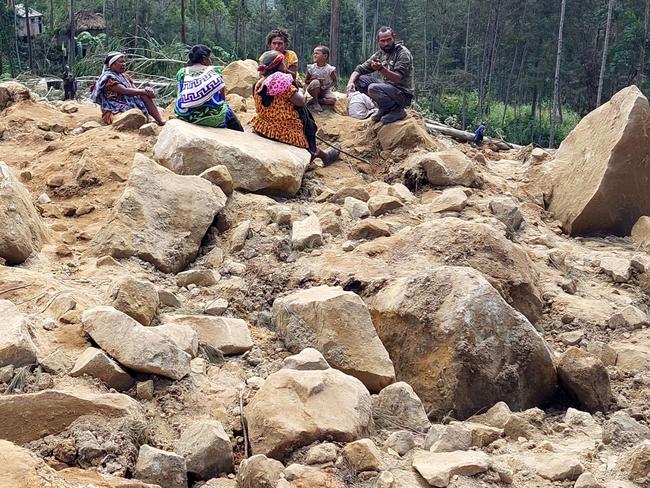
(87, 21)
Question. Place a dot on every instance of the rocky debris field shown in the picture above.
(187, 307)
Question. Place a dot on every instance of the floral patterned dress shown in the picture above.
(280, 120)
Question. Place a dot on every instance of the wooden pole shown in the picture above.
(335, 26)
(29, 35)
(603, 64)
(556, 84)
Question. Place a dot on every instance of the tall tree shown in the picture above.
(72, 45)
(28, 25)
(603, 63)
(644, 45)
(556, 82)
(183, 32)
(335, 28)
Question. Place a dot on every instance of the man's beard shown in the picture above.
(388, 49)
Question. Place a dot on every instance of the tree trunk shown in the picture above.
(335, 27)
(29, 36)
(183, 33)
(364, 34)
(425, 36)
(644, 45)
(72, 45)
(375, 24)
(603, 63)
(51, 9)
(465, 73)
(556, 83)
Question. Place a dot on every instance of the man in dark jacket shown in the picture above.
(394, 63)
(479, 135)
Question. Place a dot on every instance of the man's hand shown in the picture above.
(350, 87)
(376, 64)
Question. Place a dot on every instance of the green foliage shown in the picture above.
(513, 123)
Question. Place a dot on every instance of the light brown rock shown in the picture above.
(161, 467)
(16, 345)
(409, 133)
(629, 318)
(369, 229)
(138, 299)
(307, 359)
(220, 176)
(133, 345)
(618, 269)
(555, 467)
(94, 362)
(240, 77)
(585, 378)
(362, 455)
(256, 164)
(398, 407)
(258, 471)
(607, 151)
(336, 323)
(306, 233)
(356, 208)
(185, 338)
(451, 200)
(432, 324)
(30, 416)
(198, 277)
(21, 229)
(230, 336)
(130, 120)
(206, 447)
(381, 204)
(447, 168)
(295, 408)
(160, 218)
(438, 468)
(23, 469)
(641, 231)
(637, 464)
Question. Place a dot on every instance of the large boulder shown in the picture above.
(229, 335)
(338, 324)
(295, 408)
(240, 77)
(585, 378)
(133, 345)
(457, 242)
(206, 448)
(461, 347)
(21, 229)
(23, 469)
(256, 164)
(31, 416)
(94, 362)
(601, 169)
(406, 134)
(446, 168)
(160, 218)
(138, 299)
(12, 93)
(16, 346)
(163, 468)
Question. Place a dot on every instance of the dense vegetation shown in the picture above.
(474, 60)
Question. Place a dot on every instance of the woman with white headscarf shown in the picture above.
(115, 91)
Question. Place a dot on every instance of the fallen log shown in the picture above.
(464, 136)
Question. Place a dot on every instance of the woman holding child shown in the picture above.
(281, 113)
(201, 93)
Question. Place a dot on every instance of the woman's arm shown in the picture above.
(133, 92)
(297, 99)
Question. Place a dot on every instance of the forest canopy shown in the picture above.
(495, 61)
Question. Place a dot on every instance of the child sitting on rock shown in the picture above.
(321, 78)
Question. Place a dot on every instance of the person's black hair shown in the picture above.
(283, 33)
(384, 29)
(325, 50)
(198, 53)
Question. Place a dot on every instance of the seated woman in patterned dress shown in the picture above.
(281, 113)
(115, 91)
(201, 97)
